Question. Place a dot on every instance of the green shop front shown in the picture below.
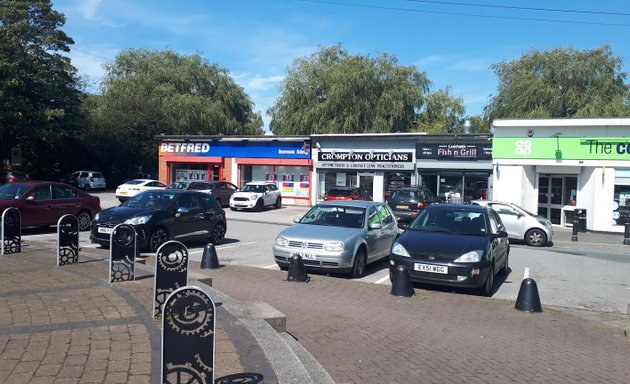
(556, 166)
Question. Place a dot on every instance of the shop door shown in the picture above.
(550, 198)
(366, 183)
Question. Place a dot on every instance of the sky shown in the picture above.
(454, 43)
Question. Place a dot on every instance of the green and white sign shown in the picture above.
(561, 148)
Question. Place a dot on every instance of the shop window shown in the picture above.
(329, 180)
(293, 181)
(621, 203)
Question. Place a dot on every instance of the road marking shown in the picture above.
(237, 245)
(271, 266)
(382, 280)
(526, 273)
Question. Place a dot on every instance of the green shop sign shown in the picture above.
(561, 148)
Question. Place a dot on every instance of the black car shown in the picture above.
(454, 245)
(407, 202)
(162, 215)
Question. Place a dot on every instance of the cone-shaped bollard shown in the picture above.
(209, 260)
(528, 299)
(401, 282)
(297, 271)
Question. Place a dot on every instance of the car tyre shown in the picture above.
(84, 219)
(488, 285)
(259, 205)
(157, 238)
(121, 199)
(278, 204)
(232, 208)
(87, 187)
(536, 237)
(358, 267)
(218, 234)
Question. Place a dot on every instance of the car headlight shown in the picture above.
(333, 246)
(138, 220)
(282, 241)
(253, 197)
(398, 249)
(470, 257)
(96, 216)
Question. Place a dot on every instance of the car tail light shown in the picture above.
(421, 205)
(12, 179)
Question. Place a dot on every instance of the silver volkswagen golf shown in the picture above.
(339, 236)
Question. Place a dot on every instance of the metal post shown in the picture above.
(575, 225)
(626, 234)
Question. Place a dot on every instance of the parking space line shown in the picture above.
(237, 245)
(271, 266)
(382, 280)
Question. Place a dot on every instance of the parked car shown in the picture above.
(221, 190)
(454, 245)
(42, 203)
(88, 180)
(407, 202)
(340, 236)
(347, 193)
(160, 215)
(13, 176)
(132, 187)
(521, 224)
(256, 195)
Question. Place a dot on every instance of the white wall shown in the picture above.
(598, 191)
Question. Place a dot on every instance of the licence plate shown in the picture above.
(305, 255)
(402, 207)
(431, 268)
(105, 230)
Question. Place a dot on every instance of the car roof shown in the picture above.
(407, 187)
(485, 202)
(352, 203)
(459, 207)
(142, 180)
(36, 182)
(260, 182)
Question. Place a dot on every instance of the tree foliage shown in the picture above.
(39, 91)
(333, 91)
(562, 82)
(442, 113)
(147, 93)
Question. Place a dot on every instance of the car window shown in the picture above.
(373, 216)
(386, 215)
(41, 193)
(495, 222)
(210, 202)
(63, 192)
(504, 209)
(338, 192)
(12, 191)
(83, 174)
(134, 182)
(256, 188)
(230, 187)
(97, 175)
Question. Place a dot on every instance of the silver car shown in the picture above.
(340, 236)
(520, 224)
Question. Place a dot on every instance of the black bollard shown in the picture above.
(297, 271)
(528, 299)
(575, 228)
(209, 259)
(401, 282)
(626, 234)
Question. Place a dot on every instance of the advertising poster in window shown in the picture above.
(295, 188)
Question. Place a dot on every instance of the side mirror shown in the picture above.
(375, 226)
(297, 219)
(403, 226)
(500, 234)
(30, 198)
(182, 210)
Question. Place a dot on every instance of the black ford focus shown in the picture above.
(161, 215)
(454, 245)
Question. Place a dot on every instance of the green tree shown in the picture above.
(442, 113)
(39, 89)
(333, 91)
(147, 93)
(561, 82)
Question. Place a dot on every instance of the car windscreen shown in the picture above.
(134, 182)
(178, 185)
(335, 216)
(150, 200)
(339, 192)
(454, 221)
(97, 175)
(253, 188)
(405, 195)
(12, 191)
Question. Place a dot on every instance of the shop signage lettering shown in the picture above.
(366, 156)
(353, 165)
(561, 148)
(454, 151)
(596, 147)
(185, 147)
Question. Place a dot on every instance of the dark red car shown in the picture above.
(42, 203)
(347, 193)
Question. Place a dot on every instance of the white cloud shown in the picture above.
(470, 65)
(429, 60)
(88, 9)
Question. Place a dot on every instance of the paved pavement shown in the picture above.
(69, 325)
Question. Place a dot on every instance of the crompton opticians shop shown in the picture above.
(285, 160)
(373, 162)
(558, 165)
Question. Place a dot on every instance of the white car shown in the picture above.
(88, 180)
(520, 224)
(135, 186)
(256, 195)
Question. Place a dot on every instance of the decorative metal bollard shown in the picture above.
(209, 259)
(11, 232)
(122, 250)
(67, 240)
(297, 270)
(574, 235)
(171, 272)
(188, 337)
(626, 234)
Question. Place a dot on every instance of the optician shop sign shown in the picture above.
(239, 149)
(368, 160)
(565, 148)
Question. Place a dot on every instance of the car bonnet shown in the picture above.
(420, 243)
(320, 233)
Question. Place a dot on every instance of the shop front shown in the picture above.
(375, 163)
(284, 160)
(457, 168)
(556, 167)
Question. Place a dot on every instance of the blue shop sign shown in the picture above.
(238, 149)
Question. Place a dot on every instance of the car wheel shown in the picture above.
(84, 218)
(358, 267)
(536, 237)
(278, 204)
(157, 238)
(486, 289)
(87, 187)
(259, 205)
(233, 209)
(218, 233)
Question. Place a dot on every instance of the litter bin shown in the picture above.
(580, 216)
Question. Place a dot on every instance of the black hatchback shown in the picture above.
(407, 202)
(162, 215)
